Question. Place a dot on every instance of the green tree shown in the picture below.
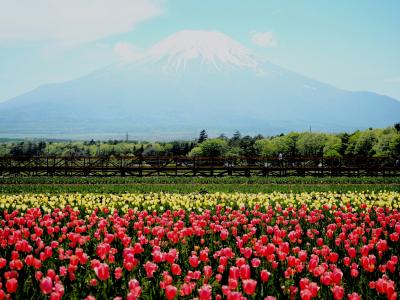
(210, 148)
(274, 146)
(235, 139)
(332, 146)
(266, 147)
(344, 142)
(247, 147)
(382, 143)
(202, 137)
(395, 145)
(290, 140)
(311, 144)
(153, 150)
(361, 143)
(196, 151)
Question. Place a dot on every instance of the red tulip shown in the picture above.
(176, 269)
(234, 272)
(255, 262)
(194, 261)
(118, 273)
(102, 271)
(275, 264)
(333, 257)
(337, 276)
(264, 274)
(158, 257)
(249, 286)
(382, 245)
(245, 272)
(232, 283)
(3, 263)
(306, 294)
(59, 288)
(205, 292)
(46, 285)
(55, 296)
(131, 296)
(346, 261)
(354, 296)
(304, 282)
(11, 285)
(338, 292)
(207, 270)
(234, 296)
(63, 271)
(38, 275)
(247, 252)
(354, 272)
(93, 282)
(303, 255)
(326, 278)
(185, 290)
(150, 269)
(270, 249)
(224, 234)
(352, 252)
(134, 288)
(221, 269)
(204, 256)
(170, 292)
(51, 273)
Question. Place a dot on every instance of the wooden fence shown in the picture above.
(198, 166)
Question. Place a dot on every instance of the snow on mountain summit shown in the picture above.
(211, 48)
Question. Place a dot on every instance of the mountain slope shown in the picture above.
(189, 81)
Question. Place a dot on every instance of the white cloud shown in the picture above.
(127, 51)
(71, 21)
(393, 80)
(264, 39)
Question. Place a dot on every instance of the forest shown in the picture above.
(365, 143)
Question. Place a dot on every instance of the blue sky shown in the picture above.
(353, 45)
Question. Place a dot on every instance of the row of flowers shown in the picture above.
(195, 201)
(204, 246)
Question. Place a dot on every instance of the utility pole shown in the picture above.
(127, 137)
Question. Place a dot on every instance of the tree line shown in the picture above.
(366, 143)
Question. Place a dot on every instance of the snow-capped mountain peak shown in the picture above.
(211, 48)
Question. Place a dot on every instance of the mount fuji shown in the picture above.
(186, 82)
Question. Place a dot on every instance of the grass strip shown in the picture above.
(189, 188)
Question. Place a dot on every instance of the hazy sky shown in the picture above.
(353, 45)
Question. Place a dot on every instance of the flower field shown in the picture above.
(205, 246)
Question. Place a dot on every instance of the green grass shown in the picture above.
(200, 180)
(56, 185)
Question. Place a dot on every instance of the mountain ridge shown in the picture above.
(185, 83)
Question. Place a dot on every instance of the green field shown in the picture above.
(194, 184)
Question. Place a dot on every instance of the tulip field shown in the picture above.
(278, 245)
